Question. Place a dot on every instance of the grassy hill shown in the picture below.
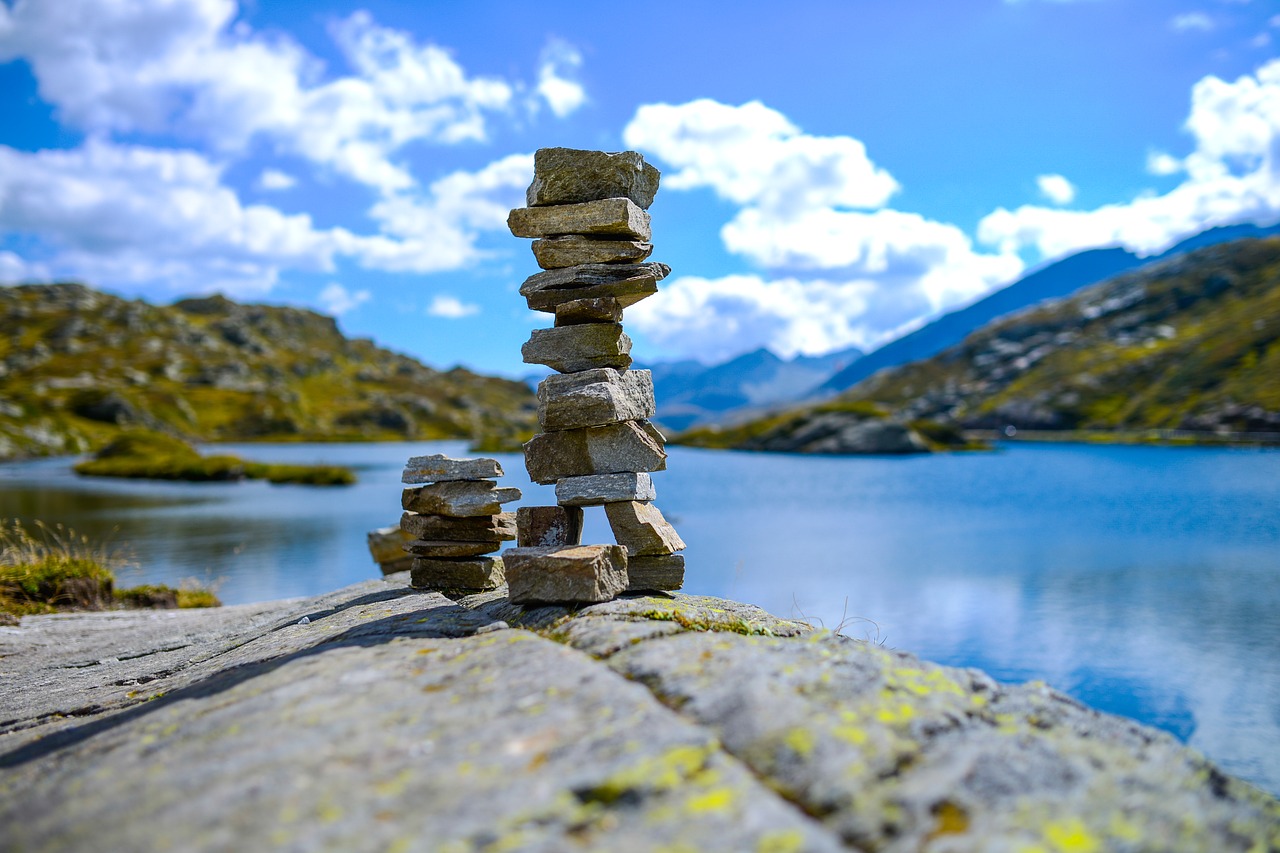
(1190, 343)
(77, 366)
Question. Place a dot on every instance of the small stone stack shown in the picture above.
(386, 546)
(587, 213)
(453, 516)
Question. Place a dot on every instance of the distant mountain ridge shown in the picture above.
(78, 365)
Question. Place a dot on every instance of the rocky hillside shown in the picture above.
(1190, 343)
(77, 365)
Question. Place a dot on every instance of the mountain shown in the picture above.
(1051, 282)
(1189, 343)
(690, 393)
(77, 365)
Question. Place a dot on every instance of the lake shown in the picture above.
(1143, 581)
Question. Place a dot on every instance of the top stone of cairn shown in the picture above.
(571, 176)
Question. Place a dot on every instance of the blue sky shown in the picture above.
(833, 172)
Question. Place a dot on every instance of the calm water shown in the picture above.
(1144, 581)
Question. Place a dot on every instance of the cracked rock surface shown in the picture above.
(383, 718)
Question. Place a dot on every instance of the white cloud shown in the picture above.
(1232, 175)
(1161, 163)
(1191, 21)
(153, 65)
(451, 307)
(560, 61)
(1056, 189)
(337, 300)
(753, 155)
(274, 179)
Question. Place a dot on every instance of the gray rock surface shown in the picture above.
(597, 489)
(580, 574)
(476, 528)
(451, 548)
(460, 498)
(393, 719)
(657, 572)
(474, 573)
(640, 527)
(609, 449)
(553, 253)
(578, 311)
(439, 468)
(627, 283)
(572, 349)
(571, 175)
(594, 397)
(549, 526)
(610, 217)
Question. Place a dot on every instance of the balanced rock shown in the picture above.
(549, 526)
(582, 574)
(458, 498)
(596, 489)
(476, 528)
(610, 449)
(570, 175)
(571, 349)
(664, 572)
(608, 217)
(641, 529)
(604, 309)
(386, 544)
(439, 469)
(553, 253)
(628, 283)
(473, 573)
(444, 550)
(594, 397)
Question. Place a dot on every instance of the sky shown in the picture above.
(834, 173)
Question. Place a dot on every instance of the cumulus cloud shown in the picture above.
(451, 307)
(556, 83)
(1056, 189)
(337, 300)
(274, 179)
(1162, 163)
(841, 268)
(153, 65)
(1191, 21)
(1232, 175)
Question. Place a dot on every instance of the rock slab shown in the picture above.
(572, 349)
(602, 310)
(629, 446)
(439, 468)
(595, 397)
(476, 528)
(609, 217)
(473, 573)
(640, 528)
(549, 526)
(597, 489)
(627, 283)
(571, 176)
(458, 499)
(583, 574)
(450, 549)
(386, 544)
(663, 572)
(553, 253)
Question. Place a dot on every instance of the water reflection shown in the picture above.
(1144, 581)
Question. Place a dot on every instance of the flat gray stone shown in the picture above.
(442, 549)
(571, 176)
(594, 398)
(640, 527)
(602, 310)
(627, 283)
(553, 253)
(582, 574)
(476, 528)
(660, 572)
(401, 564)
(609, 217)
(464, 573)
(597, 489)
(549, 526)
(571, 349)
(458, 498)
(610, 449)
(440, 468)
(386, 544)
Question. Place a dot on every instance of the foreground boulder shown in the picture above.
(381, 718)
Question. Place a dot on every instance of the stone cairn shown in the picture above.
(454, 521)
(587, 213)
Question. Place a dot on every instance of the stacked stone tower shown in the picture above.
(587, 213)
(454, 520)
